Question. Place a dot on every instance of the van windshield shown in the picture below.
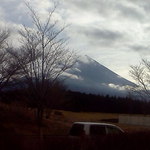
(113, 130)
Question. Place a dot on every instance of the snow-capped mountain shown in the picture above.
(89, 76)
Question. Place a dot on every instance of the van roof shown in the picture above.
(98, 123)
(95, 123)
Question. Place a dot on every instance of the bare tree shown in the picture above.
(42, 57)
(141, 74)
(7, 66)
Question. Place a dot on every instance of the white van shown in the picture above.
(94, 129)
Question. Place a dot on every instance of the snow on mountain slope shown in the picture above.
(89, 76)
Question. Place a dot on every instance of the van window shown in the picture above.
(77, 130)
(113, 130)
(97, 130)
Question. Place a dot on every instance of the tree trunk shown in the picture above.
(40, 116)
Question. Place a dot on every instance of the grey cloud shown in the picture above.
(147, 29)
(10, 9)
(101, 36)
(96, 37)
(102, 7)
(146, 7)
(130, 12)
(140, 49)
(15, 12)
(109, 8)
(143, 4)
(79, 4)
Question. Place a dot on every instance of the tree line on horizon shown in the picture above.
(62, 99)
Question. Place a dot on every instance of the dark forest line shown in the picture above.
(109, 104)
(81, 102)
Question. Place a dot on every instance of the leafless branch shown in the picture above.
(141, 75)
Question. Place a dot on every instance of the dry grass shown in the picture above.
(21, 120)
(86, 116)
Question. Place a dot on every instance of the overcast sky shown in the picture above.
(116, 33)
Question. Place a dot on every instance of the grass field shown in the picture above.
(88, 116)
(22, 120)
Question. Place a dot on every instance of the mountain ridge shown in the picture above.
(89, 76)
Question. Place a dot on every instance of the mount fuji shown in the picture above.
(89, 76)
